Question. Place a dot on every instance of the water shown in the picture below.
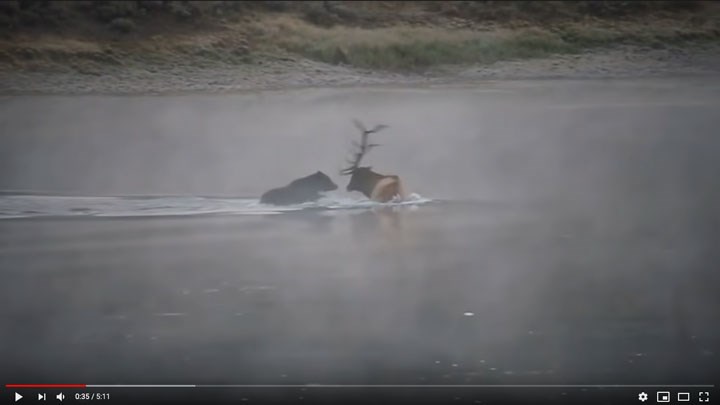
(559, 232)
(29, 206)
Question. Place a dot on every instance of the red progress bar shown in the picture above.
(45, 385)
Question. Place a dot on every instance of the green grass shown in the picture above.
(410, 48)
(416, 49)
(420, 54)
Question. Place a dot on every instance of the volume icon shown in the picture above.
(60, 396)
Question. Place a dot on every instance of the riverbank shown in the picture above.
(276, 45)
(621, 62)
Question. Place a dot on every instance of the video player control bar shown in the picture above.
(425, 393)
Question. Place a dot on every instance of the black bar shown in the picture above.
(355, 395)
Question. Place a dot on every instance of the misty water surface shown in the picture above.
(568, 234)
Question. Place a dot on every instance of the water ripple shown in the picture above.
(27, 206)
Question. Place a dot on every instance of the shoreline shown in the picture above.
(621, 62)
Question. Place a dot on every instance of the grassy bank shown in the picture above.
(399, 36)
(413, 48)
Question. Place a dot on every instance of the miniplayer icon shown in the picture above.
(663, 396)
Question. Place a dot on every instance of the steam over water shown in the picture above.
(560, 232)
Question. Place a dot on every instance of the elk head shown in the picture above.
(362, 179)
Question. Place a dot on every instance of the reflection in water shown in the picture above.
(390, 227)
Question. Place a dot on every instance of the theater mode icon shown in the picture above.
(663, 396)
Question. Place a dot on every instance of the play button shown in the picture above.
(17, 397)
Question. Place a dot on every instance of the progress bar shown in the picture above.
(45, 386)
(456, 386)
(357, 386)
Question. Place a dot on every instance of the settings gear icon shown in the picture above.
(643, 396)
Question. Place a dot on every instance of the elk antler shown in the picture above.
(363, 147)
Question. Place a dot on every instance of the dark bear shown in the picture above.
(299, 191)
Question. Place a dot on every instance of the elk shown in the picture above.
(375, 186)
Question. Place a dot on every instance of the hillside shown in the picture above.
(378, 39)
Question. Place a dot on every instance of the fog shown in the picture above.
(571, 239)
(494, 140)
